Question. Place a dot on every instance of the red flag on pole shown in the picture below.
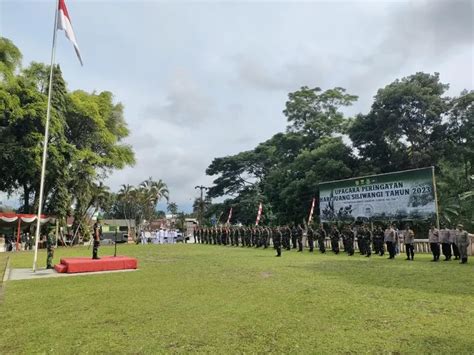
(65, 24)
(259, 214)
(311, 211)
(230, 216)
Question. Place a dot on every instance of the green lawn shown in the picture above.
(233, 300)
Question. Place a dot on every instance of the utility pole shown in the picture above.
(201, 203)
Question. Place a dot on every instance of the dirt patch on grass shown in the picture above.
(265, 274)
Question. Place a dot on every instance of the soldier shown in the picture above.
(366, 237)
(299, 237)
(277, 238)
(409, 240)
(463, 239)
(286, 233)
(310, 236)
(389, 238)
(50, 244)
(334, 235)
(321, 236)
(264, 236)
(360, 242)
(433, 238)
(445, 243)
(293, 236)
(97, 234)
(348, 235)
(378, 241)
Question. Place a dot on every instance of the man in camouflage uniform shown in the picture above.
(334, 235)
(348, 236)
(293, 236)
(97, 234)
(286, 235)
(50, 244)
(378, 241)
(277, 238)
(321, 236)
(299, 237)
(310, 236)
(367, 240)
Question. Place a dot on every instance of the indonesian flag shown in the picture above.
(311, 211)
(64, 23)
(259, 214)
(230, 216)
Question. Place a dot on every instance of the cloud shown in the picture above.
(185, 104)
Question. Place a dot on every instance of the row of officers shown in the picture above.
(452, 242)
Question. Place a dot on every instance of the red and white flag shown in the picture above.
(230, 216)
(64, 23)
(259, 214)
(311, 212)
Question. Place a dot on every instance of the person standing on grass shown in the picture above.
(366, 236)
(299, 237)
(334, 235)
(50, 244)
(389, 237)
(445, 243)
(97, 234)
(409, 239)
(321, 236)
(378, 241)
(463, 239)
(433, 239)
(452, 239)
(277, 237)
(310, 236)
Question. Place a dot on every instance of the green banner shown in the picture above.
(403, 195)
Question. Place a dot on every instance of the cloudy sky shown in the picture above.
(207, 79)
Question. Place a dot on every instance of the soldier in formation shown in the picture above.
(454, 242)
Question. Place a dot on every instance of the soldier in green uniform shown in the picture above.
(50, 244)
(299, 237)
(277, 237)
(366, 236)
(310, 236)
(285, 234)
(334, 235)
(321, 236)
(378, 241)
(348, 236)
(97, 233)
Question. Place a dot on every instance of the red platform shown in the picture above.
(106, 263)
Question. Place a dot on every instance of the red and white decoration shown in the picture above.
(259, 214)
(230, 216)
(64, 24)
(311, 212)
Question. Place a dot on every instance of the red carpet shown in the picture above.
(106, 263)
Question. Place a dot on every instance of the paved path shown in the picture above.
(28, 274)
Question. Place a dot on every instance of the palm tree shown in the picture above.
(125, 196)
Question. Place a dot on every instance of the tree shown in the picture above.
(172, 208)
(404, 128)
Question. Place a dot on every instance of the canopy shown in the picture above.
(12, 219)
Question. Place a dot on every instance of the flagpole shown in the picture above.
(45, 142)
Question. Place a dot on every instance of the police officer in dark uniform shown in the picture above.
(97, 234)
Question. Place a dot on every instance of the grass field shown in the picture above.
(200, 298)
